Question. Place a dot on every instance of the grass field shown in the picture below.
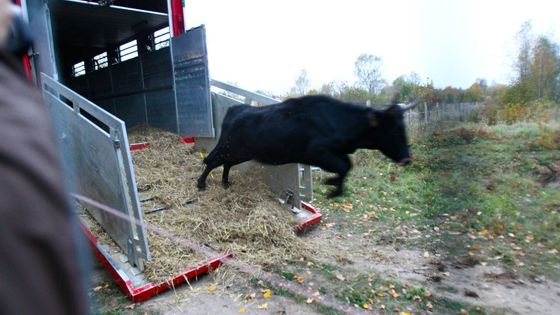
(480, 194)
(487, 188)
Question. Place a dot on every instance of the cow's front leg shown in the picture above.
(339, 164)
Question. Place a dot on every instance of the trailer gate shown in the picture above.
(97, 161)
(192, 83)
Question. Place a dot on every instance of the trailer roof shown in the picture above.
(82, 28)
(150, 5)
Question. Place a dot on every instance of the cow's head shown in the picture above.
(390, 132)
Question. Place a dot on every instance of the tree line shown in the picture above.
(535, 84)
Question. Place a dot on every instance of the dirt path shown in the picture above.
(457, 280)
(206, 296)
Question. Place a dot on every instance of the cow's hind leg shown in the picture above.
(212, 161)
(225, 175)
(201, 183)
(228, 165)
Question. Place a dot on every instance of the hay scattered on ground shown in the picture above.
(245, 219)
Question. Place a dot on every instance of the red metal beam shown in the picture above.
(310, 221)
(139, 146)
(25, 59)
(177, 19)
(151, 289)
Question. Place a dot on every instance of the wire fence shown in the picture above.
(427, 115)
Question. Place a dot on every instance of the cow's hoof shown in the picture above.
(334, 193)
(226, 185)
(201, 187)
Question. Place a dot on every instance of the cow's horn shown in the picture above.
(411, 105)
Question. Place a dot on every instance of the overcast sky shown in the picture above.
(264, 44)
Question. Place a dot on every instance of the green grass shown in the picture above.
(481, 188)
(478, 184)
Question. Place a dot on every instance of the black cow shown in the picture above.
(316, 130)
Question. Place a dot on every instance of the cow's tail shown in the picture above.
(230, 114)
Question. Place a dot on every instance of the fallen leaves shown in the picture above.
(298, 279)
(370, 215)
(340, 277)
(131, 306)
(250, 296)
(267, 293)
(101, 287)
(263, 306)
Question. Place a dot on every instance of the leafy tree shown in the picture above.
(405, 89)
(544, 69)
(537, 69)
(475, 93)
(429, 94)
(450, 95)
(352, 94)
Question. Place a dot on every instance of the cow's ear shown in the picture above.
(374, 118)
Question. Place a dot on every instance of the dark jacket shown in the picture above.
(39, 268)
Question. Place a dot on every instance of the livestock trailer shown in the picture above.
(106, 66)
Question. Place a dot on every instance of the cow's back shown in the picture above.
(283, 132)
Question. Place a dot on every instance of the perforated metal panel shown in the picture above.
(192, 83)
(98, 164)
(293, 179)
(158, 84)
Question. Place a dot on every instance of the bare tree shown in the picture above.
(368, 70)
(525, 40)
(301, 85)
